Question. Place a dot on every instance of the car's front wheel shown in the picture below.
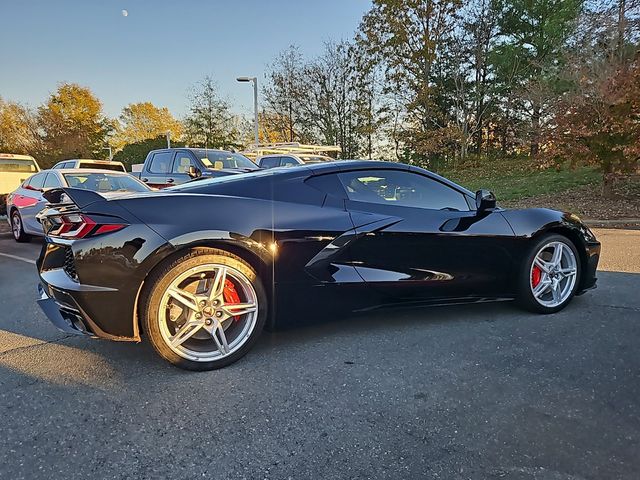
(550, 275)
(17, 228)
(204, 310)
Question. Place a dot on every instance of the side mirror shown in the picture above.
(485, 200)
(194, 172)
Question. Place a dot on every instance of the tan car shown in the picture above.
(15, 169)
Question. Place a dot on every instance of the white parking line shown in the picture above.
(15, 257)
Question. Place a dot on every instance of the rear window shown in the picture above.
(104, 182)
(116, 167)
(315, 158)
(270, 162)
(18, 166)
(219, 160)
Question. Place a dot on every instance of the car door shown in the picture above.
(180, 170)
(30, 201)
(426, 241)
(158, 170)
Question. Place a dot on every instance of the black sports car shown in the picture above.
(201, 268)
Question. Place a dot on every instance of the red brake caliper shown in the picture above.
(230, 295)
(536, 275)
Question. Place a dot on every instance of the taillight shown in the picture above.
(74, 226)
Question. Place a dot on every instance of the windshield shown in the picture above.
(105, 182)
(102, 166)
(220, 160)
(18, 166)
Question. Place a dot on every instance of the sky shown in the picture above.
(161, 48)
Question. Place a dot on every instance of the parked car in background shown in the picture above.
(88, 163)
(290, 160)
(27, 200)
(15, 169)
(173, 166)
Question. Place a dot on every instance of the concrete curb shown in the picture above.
(632, 223)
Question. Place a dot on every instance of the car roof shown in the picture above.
(173, 149)
(85, 170)
(87, 160)
(306, 170)
(15, 156)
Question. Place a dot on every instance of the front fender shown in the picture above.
(531, 222)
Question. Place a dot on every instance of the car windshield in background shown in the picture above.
(18, 166)
(315, 158)
(104, 182)
(221, 160)
(102, 166)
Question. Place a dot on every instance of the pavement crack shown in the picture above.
(621, 307)
(39, 344)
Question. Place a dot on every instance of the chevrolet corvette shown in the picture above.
(202, 268)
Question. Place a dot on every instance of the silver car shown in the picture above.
(24, 203)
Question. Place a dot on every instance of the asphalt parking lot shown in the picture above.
(477, 392)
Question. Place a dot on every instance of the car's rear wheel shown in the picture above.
(17, 228)
(204, 310)
(550, 275)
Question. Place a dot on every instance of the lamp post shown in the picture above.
(255, 103)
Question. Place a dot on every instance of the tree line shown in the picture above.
(431, 82)
(444, 81)
(71, 123)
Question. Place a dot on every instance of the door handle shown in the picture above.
(170, 180)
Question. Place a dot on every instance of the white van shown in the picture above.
(15, 169)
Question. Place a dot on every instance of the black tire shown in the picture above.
(159, 281)
(18, 234)
(526, 298)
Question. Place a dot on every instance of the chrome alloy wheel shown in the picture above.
(16, 225)
(208, 312)
(553, 274)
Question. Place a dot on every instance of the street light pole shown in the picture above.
(255, 104)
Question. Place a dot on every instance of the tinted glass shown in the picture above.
(395, 187)
(37, 181)
(182, 163)
(270, 162)
(315, 158)
(288, 162)
(52, 181)
(116, 167)
(161, 162)
(219, 160)
(104, 182)
(18, 166)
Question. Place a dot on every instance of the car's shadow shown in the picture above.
(106, 365)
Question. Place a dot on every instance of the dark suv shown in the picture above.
(172, 166)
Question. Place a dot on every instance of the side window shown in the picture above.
(396, 187)
(52, 181)
(57, 166)
(270, 162)
(182, 162)
(161, 162)
(288, 162)
(37, 181)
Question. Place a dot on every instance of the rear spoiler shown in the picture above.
(79, 196)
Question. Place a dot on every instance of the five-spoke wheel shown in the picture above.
(551, 274)
(205, 309)
(17, 229)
